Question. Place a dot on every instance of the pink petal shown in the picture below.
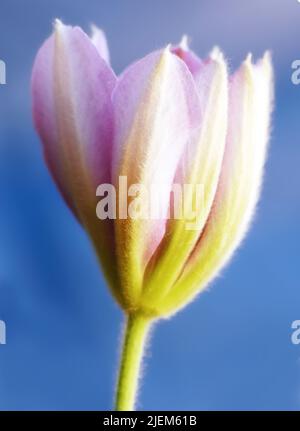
(200, 165)
(193, 62)
(156, 108)
(72, 110)
(250, 105)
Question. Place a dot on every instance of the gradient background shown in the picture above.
(231, 348)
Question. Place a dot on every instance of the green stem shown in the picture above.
(136, 331)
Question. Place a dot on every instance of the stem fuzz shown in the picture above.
(136, 331)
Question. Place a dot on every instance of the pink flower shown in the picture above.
(168, 118)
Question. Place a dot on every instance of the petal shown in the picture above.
(72, 110)
(99, 40)
(251, 95)
(193, 62)
(156, 108)
(200, 165)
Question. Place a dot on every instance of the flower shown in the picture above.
(170, 118)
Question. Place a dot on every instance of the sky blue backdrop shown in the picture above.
(231, 348)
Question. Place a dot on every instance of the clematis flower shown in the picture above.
(169, 118)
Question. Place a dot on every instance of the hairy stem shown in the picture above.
(135, 334)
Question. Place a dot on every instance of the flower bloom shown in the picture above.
(168, 118)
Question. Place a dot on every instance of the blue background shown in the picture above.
(231, 348)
